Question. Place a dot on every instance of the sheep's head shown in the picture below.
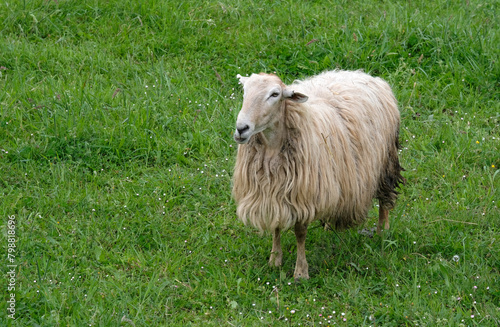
(262, 100)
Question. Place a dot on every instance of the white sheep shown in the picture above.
(319, 149)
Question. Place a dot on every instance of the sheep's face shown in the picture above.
(262, 101)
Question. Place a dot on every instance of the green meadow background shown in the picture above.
(116, 156)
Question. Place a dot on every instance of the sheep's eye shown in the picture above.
(274, 95)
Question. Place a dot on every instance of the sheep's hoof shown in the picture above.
(299, 278)
(276, 259)
(301, 274)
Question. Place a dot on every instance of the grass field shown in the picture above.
(116, 156)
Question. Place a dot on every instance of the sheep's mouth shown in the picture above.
(239, 139)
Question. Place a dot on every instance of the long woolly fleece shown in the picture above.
(339, 152)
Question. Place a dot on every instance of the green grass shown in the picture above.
(116, 153)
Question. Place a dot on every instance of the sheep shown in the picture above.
(319, 149)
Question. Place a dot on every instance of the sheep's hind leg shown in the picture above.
(276, 253)
(383, 219)
(301, 266)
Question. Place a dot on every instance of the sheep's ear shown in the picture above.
(242, 79)
(294, 96)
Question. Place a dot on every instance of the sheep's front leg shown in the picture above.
(301, 267)
(276, 254)
(383, 219)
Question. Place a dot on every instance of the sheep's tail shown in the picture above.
(391, 177)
